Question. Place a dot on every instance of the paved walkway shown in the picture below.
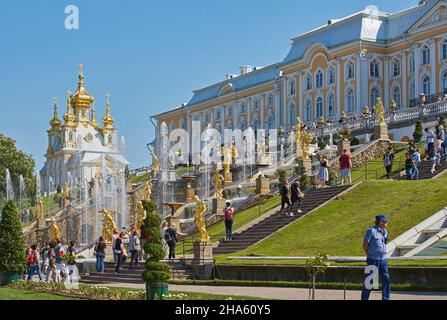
(292, 293)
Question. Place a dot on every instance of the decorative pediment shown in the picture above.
(436, 15)
(226, 89)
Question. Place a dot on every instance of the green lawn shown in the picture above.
(18, 294)
(139, 179)
(241, 219)
(337, 229)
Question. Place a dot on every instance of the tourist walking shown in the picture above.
(408, 166)
(59, 251)
(374, 244)
(416, 157)
(71, 263)
(323, 173)
(100, 253)
(115, 235)
(345, 167)
(52, 274)
(284, 191)
(296, 196)
(134, 249)
(34, 262)
(44, 255)
(171, 239)
(429, 142)
(118, 251)
(229, 219)
(164, 227)
(388, 161)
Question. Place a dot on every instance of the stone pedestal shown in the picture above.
(343, 145)
(228, 179)
(264, 160)
(203, 251)
(262, 185)
(381, 132)
(218, 206)
(307, 164)
(42, 233)
(189, 194)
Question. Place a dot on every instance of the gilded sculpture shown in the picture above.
(40, 210)
(140, 215)
(200, 219)
(380, 111)
(108, 225)
(55, 231)
(148, 191)
(155, 164)
(218, 181)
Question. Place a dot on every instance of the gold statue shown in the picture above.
(65, 191)
(148, 191)
(55, 231)
(227, 159)
(140, 215)
(155, 164)
(200, 219)
(305, 141)
(108, 225)
(234, 153)
(40, 210)
(298, 132)
(380, 111)
(218, 180)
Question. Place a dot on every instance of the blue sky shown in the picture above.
(149, 55)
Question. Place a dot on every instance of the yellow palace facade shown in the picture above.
(341, 66)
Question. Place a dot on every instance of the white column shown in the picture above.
(277, 107)
(339, 93)
(262, 106)
(386, 79)
(300, 88)
(364, 90)
(358, 71)
(249, 100)
(403, 64)
(417, 64)
(434, 76)
(284, 102)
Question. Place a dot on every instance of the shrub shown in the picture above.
(12, 242)
(418, 131)
(156, 271)
(281, 175)
(304, 179)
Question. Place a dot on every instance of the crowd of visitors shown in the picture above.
(296, 195)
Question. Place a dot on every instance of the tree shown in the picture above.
(304, 179)
(418, 131)
(314, 266)
(156, 271)
(281, 175)
(18, 164)
(12, 242)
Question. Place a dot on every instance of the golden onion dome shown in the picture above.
(69, 117)
(93, 121)
(81, 97)
(108, 119)
(55, 122)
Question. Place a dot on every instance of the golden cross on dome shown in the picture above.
(69, 92)
(81, 68)
(55, 100)
(107, 97)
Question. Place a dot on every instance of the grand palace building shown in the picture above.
(343, 65)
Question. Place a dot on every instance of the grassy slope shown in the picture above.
(241, 219)
(17, 294)
(338, 228)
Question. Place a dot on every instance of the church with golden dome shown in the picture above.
(79, 148)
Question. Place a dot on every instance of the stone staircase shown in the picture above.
(277, 221)
(180, 270)
(425, 170)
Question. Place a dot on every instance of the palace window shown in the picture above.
(374, 69)
(396, 97)
(373, 97)
(292, 88)
(308, 82)
(243, 126)
(292, 115)
(255, 125)
(426, 85)
(331, 106)
(309, 111)
(444, 83)
(425, 56)
(412, 90)
(331, 76)
(319, 79)
(270, 100)
(412, 64)
(444, 50)
(350, 98)
(242, 108)
(319, 112)
(256, 105)
(396, 68)
(350, 71)
(270, 122)
(230, 111)
(217, 114)
(182, 123)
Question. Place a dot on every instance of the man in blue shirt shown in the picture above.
(374, 245)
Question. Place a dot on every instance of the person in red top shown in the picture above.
(345, 166)
(229, 218)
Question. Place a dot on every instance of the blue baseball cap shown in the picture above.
(381, 217)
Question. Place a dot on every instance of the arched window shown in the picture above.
(270, 100)
(292, 115)
(426, 85)
(171, 126)
(331, 106)
(270, 122)
(444, 83)
(255, 124)
(373, 97)
(319, 106)
(230, 111)
(374, 69)
(350, 71)
(182, 123)
(292, 88)
(444, 50)
(319, 79)
(256, 105)
(396, 68)
(350, 98)
(218, 115)
(308, 82)
(425, 56)
(396, 97)
(243, 125)
(412, 90)
(242, 108)
(412, 64)
(308, 112)
(331, 77)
